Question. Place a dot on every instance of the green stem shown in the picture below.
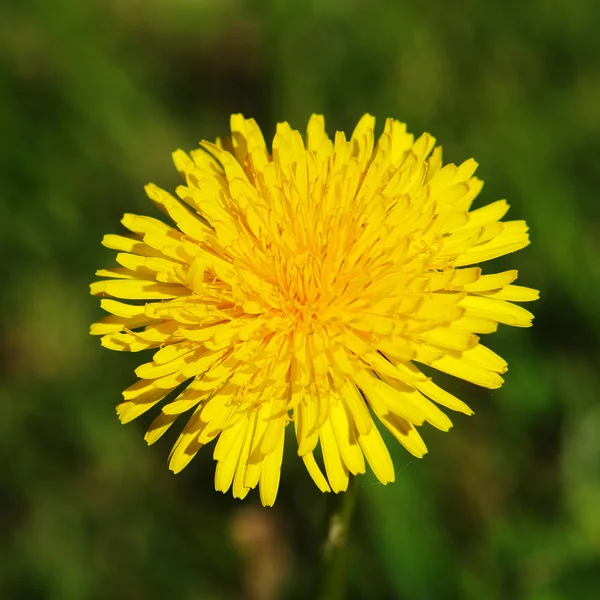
(335, 548)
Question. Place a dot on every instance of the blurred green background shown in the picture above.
(94, 96)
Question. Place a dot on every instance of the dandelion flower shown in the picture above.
(306, 284)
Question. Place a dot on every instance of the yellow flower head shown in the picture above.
(305, 284)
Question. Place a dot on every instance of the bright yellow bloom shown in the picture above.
(306, 284)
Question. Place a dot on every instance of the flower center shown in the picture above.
(300, 285)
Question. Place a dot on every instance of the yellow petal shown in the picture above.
(377, 455)
(336, 470)
(513, 293)
(137, 289)
(227, 452)
(406, 433)
(271, 474)
(464, 370)
(315, 472)
(499, 310)
(158, 427)
(346, 438)
(492, 282)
